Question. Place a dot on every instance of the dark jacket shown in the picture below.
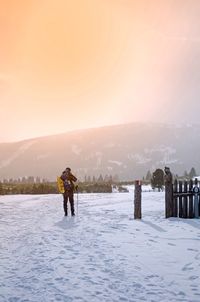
(68, 179)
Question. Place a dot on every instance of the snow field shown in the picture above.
(102, 254)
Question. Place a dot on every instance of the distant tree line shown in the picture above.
(27, 188)
(101, 179)
(25, 180)
(100, 184)
(51, 188)
(87, 179)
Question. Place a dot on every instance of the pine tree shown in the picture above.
(148, 176)
(157, 180)
(100, 179)
(192, 173)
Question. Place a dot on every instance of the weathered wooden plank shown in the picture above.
(185, 206)
(183, 194)
(175, 199)
(196, 199)
(168, 193)
(199, 206)
(191, 202)
(137, 200)
(180, 199)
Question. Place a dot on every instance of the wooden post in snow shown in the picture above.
(185, 199)
(191, 207)
(168, 193)
(196, 199)
(180, 184)
(175, 199)
(137, 200)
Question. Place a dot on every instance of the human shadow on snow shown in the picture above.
(154, 226)
(193, 222)
(66, 223)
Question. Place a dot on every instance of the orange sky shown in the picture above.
(69, 64)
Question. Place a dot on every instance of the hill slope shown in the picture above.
(127, 150)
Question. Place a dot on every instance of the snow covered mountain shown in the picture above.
(128, 150)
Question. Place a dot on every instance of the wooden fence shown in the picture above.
(182, 199)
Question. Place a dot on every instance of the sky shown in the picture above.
(67, 65)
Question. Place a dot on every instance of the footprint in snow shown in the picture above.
(193, 250)
(188, 267)
(197, 257)
(172, 244)
(152, 240)
(193, 278)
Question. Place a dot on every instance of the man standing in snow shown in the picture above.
(68, 179)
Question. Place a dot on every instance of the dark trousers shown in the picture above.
(68, 195)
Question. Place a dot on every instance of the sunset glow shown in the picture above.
(84, 63)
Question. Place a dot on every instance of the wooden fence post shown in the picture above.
(180, 184)
(168, 193)
(185, 198)
(196, 199)
(191, 208)
(175, 200)
(137, 200)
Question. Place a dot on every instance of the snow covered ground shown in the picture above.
(102, 254)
